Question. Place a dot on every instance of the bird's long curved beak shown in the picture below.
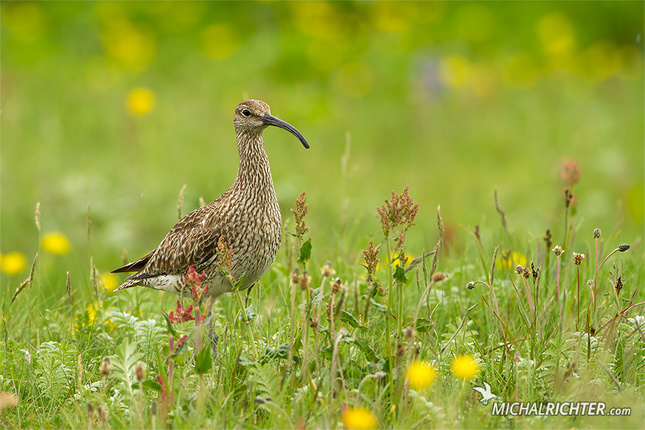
(269, 119)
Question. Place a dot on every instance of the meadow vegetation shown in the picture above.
(471, 211)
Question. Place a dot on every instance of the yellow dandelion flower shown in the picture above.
(55, 243)
(13, 263)
(420, 375)
(357, 418)
(109, 281)
(140, 101)
(465, 367)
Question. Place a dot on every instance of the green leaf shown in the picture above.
(350, 319)
(399, 274)
(379, 307)
(281, 351)
(305, 251)
(364, 346)
(423, 325)
(203, 361)
(148, 384)
(249, 312)
(172, 331)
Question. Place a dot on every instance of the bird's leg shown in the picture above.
(214, 338)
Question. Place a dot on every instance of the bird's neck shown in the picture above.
(254, 174)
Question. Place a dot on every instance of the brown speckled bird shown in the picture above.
(246, 216)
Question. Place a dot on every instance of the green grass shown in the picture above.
(457, 101)
(275, 370)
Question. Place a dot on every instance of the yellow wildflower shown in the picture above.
(420, 375)
(357, 418)
(91, 315)
(465, 367)
(13, 263)
(140, 101)
(55, 243)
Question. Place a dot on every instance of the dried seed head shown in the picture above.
(439, 276)
(102, 413)
(519, 269)
(27, 356)
(295, 276)
(535, 271)
(400, 350)
(304, 280)
(106, 367)
(153, 408)
(596, 233)
(313, 323)
(470, 285)
(90, 409)
(517, 357)
(335, 287)
(590, 283)
(547, 238)
(577, 258)
(558, 250)
(327, 271)
(619, 284)
(409, 332)
(526, 273)
(624, 247)
(140, 371)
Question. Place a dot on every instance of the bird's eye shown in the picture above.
(246, 112)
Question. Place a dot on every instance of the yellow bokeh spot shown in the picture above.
(455, 71)
(319, 19)
(393, 17)
(13, 263)
(140, 101)
(55, 243)
(465, 367)
(556, 34)
(420, 375)
(219, 41)
(109, 281)
(357, 418)
(24, 21)
(130, 46)
(513, 260)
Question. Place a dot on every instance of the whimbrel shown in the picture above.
(246, 216)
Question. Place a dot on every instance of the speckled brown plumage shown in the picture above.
(246, 216)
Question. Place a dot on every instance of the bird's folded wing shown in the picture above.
(192, 241)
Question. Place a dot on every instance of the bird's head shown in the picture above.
(253, 116)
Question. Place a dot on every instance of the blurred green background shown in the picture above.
(117, 105)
